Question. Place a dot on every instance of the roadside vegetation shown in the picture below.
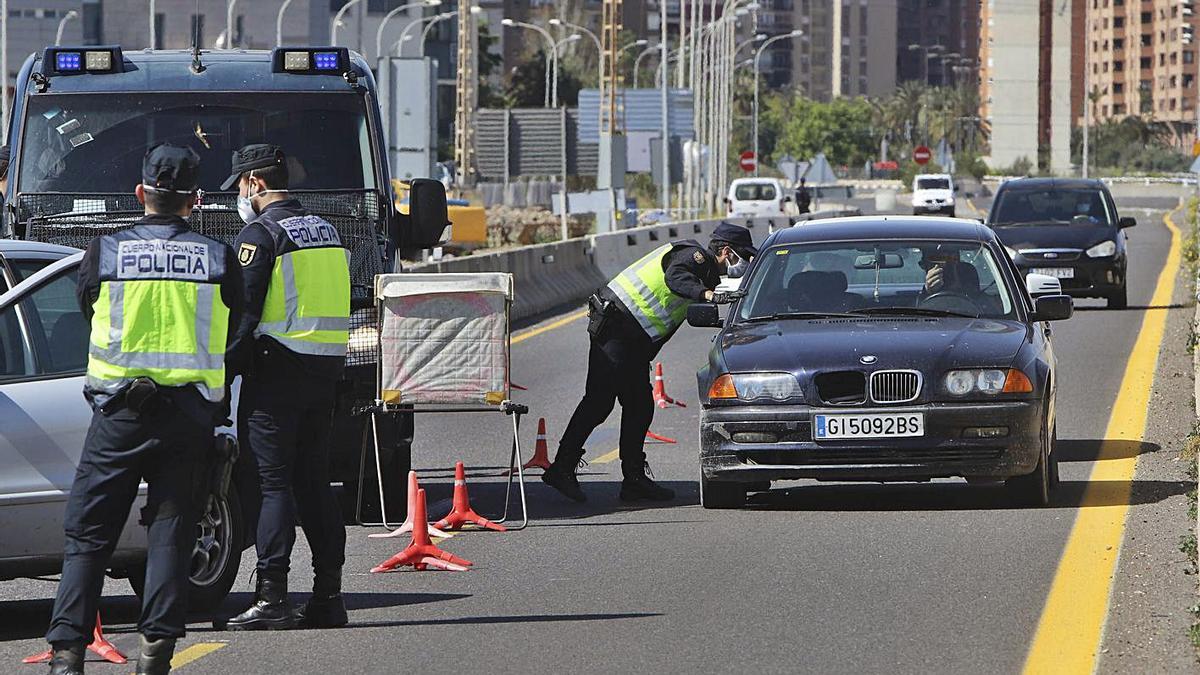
(1191, 449)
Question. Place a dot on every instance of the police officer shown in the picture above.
(163, 302)
(630, 320)
(291, 350)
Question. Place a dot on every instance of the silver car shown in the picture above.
(43, 421)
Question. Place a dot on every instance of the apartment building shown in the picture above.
(1142, 59)
(950, 28)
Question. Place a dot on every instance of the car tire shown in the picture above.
(1119, 299)
(721, 494)
(1033, 489)
(215, 559)
(1054, 479)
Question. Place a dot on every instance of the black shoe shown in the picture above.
(561, 477)
(642, 488)
(271, 609)
(323, 611)
(156, 656)
(66, 658)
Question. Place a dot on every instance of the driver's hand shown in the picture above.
(935, 279)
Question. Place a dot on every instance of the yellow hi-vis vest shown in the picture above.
(307, 308)
(642, 288)
(159, 313)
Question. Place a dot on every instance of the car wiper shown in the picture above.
(798, 315)
(916, 311)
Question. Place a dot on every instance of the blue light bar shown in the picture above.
(68, 61)
(325, 60)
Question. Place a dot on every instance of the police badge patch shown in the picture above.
(246, 253)
(698, 257)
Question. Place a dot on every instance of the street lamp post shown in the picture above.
(388, 17)
(551, 55)
(637, 62)
(72, 14)
(279, 23)
(229, 23)
(398, 45)
(595, 39)
(429, 26)
(757, 57)
(337, 18)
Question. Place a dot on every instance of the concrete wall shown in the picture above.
(1060, 92)
(1012, 87)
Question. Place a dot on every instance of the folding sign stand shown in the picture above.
(443, 347)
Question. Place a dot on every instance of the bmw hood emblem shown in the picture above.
(868, 359)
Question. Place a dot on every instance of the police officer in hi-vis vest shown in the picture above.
(630, 320)
(163, 302)
(291, 349)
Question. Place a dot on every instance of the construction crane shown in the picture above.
(466, 97)
(612, 108)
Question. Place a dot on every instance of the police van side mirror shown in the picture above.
(426, 224)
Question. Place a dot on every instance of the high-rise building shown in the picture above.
(951, 27)
(1141, 58)
(848, 48)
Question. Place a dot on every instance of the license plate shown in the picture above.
(1059, 272)
(889, 425)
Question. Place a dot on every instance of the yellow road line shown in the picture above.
(971, 205)
(196, 651)
(607, 457)
(533, 332)
(1072, 623)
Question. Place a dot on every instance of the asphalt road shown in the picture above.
(941, 577)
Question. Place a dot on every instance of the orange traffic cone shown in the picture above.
(100, 646)
(660, 390)
(654, 437)
(541, 453)
(407, 526)
(421, 553)
(461, 512)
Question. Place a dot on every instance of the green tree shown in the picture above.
(842, 129)
(527, 83)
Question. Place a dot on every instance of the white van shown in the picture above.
(933, 193)
(749, 197)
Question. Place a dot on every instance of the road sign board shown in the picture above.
(921, 155)
(747, 161)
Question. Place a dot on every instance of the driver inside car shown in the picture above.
(946, 276)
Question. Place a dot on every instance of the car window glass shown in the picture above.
(1052, 207)
(754, 192)
(23, 269)
(14, 357)
(57, 327)
(933, 184)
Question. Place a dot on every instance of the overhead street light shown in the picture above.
(551, 57)
(595, 39)
(637, 62)
(229, 22)
(405, 37)
(388, 17)
(437, 19)
(337, 19)
(72, 14)
(632, 45)
(757, 56)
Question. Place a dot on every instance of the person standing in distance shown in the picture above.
(630, 320)
(290, 351)
(163, 302)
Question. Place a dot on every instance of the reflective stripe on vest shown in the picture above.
(642, 288)
(307, 308)
(171, 331)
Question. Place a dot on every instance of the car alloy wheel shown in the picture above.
(213, 544)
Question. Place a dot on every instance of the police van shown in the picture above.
(82, 120)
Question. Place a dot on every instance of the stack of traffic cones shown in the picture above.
(660, 390)
(421, 553)
(461, 513)
(407, 527)
(541, 453)
(100, 646)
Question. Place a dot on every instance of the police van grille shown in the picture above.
(74, 219)
(895, 386)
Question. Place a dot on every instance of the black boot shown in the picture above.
(66, 658)
(156, 656)
(561, 475)
(325, 609)
(639, 486)
(271, 609)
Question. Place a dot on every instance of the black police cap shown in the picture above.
(254, 156)
(172, 168)
(737, 237)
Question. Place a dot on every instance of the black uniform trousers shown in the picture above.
(285, 416)
(122, 448)
(618, 370)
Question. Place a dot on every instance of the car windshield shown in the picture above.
(933, 184)
(746, 192)
(919, 278)
(79, 143)
(1052, 207)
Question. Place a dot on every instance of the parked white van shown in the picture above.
(933, 193)
(750, 197)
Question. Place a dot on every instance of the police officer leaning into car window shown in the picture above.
(163, 302)
(291, 350)
(630, 320)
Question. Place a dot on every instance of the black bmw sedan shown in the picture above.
(882, 348)
(1068, 229)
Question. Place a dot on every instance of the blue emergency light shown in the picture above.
(311, 60)
(83, 60)
(68, 61)
(325, 60)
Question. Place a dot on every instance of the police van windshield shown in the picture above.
(80, 143)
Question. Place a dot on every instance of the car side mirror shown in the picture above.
(1040, 285)
(1126, 221)
(703, 315)
(1053, 308)
(426, 224)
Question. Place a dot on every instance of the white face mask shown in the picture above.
(245, 206)
(737, 269)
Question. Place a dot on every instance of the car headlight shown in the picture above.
(987, 381)
(1103, 250)
(755, 387)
